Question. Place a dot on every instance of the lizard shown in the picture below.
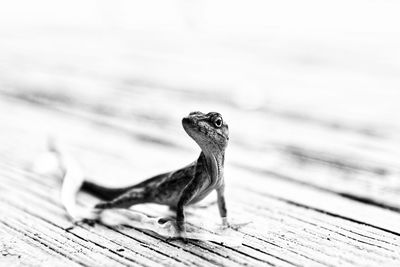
(185, 186)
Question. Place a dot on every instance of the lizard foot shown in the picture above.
(232, 226)
(181, 231)
(181, 236)
(175, 238)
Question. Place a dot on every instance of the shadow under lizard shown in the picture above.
(184, 186)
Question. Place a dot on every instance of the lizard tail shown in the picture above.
(73, 178)
(75, 181)
(105, 193)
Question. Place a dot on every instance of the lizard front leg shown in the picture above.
(222, 205)
(188, 194)
(223, 212)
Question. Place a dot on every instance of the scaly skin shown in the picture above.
(185, 186)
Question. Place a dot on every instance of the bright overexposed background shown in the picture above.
(314, 56)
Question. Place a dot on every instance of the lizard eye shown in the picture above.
(218, 122)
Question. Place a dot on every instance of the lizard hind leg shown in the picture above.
(126, 200)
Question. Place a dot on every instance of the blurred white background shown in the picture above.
(334, 60)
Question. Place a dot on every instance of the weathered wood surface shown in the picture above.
(321, 186)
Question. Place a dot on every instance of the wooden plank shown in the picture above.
(151, 242)
(278, 184)
(258, 233)
(137, 146)
(291, 247)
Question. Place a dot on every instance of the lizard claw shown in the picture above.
(234, 226)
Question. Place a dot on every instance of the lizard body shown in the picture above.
(184, 186)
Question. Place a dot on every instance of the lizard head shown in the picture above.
(208, 130)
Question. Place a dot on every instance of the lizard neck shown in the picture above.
(214, 166)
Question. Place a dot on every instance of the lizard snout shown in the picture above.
(187, 121)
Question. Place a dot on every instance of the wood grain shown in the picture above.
(293, 224)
